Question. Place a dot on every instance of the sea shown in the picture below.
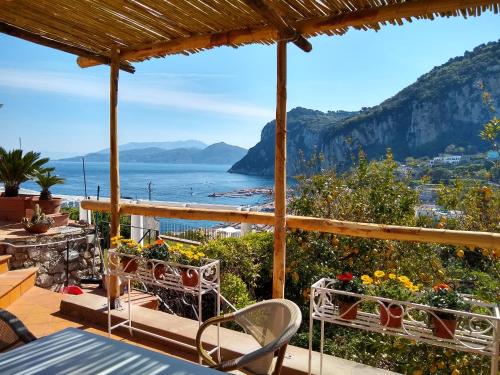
(187, 183)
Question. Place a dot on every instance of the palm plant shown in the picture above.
(16, 168)
(46, 180)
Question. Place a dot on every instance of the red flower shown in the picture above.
(346, 276)
(439, 287)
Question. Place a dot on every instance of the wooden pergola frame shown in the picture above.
(274, 21)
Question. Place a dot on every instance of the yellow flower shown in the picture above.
(392, 276)
(367, 280)
(379, 274)
(414, 288)
(403, 279)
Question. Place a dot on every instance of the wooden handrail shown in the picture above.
(486, 240)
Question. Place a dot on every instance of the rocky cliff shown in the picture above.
(442, 107)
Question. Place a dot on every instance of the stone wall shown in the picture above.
(48, 253)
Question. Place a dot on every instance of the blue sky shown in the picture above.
(224, 94)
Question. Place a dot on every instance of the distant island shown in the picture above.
(181, 152)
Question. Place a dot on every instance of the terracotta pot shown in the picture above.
(129, 265)
(348, 310)
(444, 328)
(37, 228)
(190, 278)
(13, 209)
(60, 220)
(48, 207)
(391, 316)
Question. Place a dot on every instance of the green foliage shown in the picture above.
(248, 257)
(491, 129)
(444, 297)
(158, 250)
(235, 290)
(182, 254)
(126, 246)
(393, 289)
(370, 192)
(74, 213)
(16, 168)
(480, 205)
(46, 180)
(349, 283)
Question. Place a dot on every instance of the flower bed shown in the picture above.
(476, 332)
(178, 268)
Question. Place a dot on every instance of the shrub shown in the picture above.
(235, 291)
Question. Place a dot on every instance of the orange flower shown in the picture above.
(159, 242)
(438, 287)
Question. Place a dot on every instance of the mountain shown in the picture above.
(442, 107)
(190, 143)
(218, 153)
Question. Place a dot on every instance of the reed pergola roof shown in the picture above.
(142, 29)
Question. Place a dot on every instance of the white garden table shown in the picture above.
(73, 351)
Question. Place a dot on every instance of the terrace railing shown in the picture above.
(365, 230)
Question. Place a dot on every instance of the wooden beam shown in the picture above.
(485, 240)
(267, 11)
(38, 39)
(114, 169)
(368, 16)
(279, 259)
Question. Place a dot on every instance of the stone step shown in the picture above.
(4, 263)
(14, 284)
(137, 297)
(92, 308)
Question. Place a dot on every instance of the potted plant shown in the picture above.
(39, 222)
(187, 256)
(348, 307)
(128, 250)
(48, 204)
(392, 286)
(16, 168)
(443, 296)
(159, 250)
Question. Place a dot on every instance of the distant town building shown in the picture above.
(427, 194)
(436, 212)
(404, 170)
(451, 160)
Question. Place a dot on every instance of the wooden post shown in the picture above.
(114, 172)
(280, 176)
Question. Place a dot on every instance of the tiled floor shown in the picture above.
(39, 310)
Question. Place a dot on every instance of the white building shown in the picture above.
(451, 160)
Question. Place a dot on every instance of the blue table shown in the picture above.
(72, 351)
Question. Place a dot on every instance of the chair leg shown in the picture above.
(279, 361)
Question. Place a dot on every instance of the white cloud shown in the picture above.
(134, 92)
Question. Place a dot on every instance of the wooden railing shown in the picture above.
(366, 230)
